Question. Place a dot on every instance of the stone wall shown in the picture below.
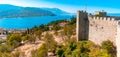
(102, 28)
(98, 29)
(118, 39)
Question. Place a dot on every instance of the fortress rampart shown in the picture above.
(102, 28)
(98, 29)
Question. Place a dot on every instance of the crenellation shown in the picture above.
(94, 17)
(108, 18)
(82, 12)
(113, 19)
(104, 18)
(97, 18)
(101, 18)
(90, 17)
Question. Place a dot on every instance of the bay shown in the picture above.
(114, 14)
(29, 22)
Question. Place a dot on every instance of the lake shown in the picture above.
(29, 22)
(113, 14)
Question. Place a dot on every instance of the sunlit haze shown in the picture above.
(69, 5)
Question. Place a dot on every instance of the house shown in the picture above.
(62, 24)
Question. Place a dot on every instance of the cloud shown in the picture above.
(13, 2)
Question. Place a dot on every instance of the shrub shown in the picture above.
(41, 52)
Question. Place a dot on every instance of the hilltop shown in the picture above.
(56, 39)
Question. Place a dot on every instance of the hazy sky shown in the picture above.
(111, 6)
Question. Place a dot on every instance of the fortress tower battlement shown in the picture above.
(102, 18)
(98, 28)
(81, 11)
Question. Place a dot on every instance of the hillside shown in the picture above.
(9, 11)
(59, 41)
(56, 11)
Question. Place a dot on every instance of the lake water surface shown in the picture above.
(29, 22)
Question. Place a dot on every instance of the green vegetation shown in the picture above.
(109, 47)
(57, 22)
(1, 42)
(73, 48)
(99, 15)
(49, 46)
(72, 21)
(41, 52)
(68, 30)
(14, 40)
(83, 49)
(70, 48)
(51, 43)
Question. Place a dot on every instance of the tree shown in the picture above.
(72, 21)
(71, 46)
(108, 45)
(6, 48)
(35, 28)
(41, 52)
(99, 15)
(68, 31)
(56, 33)
(84, 49)
(25, 37)
(31, 38)
(43, 28)
(60, 51)
(51, 43)
(5, 54)
(38, 34)
(56, 27)
(98, 52)
(14, 40)
(1, 42)
(18, 54)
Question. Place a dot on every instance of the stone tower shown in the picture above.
(100, 13)
(82, 25)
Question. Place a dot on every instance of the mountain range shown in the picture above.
(11, 11)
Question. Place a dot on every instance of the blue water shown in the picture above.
(29, 22)
(114, 14)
